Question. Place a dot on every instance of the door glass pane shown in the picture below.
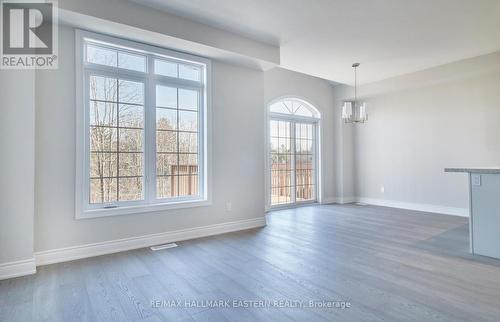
(281, 162)
(304, 173)
(293, 173)
(305, 193)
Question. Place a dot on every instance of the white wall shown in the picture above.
(17, 165)
(418, 125)
(421, 123)
(344, 148)
(136, 21)
(238, 159)
(281, 82)
(413, 133)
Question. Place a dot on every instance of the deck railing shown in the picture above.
(281, 182)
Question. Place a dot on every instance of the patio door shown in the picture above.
(293, 155)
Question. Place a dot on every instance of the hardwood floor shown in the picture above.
(388, 264)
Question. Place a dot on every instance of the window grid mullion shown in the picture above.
(295, 157)
(117, 138)
(314, 152)
(150, 150)
(178, 141)
(293, 165)
(149, 146)
(201, 146)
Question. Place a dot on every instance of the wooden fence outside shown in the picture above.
(281, 182)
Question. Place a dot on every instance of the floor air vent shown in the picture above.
(164, 246)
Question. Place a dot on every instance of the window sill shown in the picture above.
(130, 210)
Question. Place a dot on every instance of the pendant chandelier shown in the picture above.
(352, 112)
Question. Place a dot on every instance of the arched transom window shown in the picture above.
(294, 106)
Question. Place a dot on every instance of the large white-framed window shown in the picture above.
(293, 153)
(142, 127)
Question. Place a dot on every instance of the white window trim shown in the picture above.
(317, 155)
(82, 209)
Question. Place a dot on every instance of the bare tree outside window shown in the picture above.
(116, 139)
(176, 142)
(292, 153)
(128, 162)
(116, 133)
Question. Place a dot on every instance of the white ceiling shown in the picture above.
(324, 37)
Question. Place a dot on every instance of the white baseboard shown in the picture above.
(17, 268)
(120, 245)
(327, 200)
(344, 200)
(339, 200)
(454, 211)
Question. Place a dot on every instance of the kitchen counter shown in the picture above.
(475, 170)
(484, 209)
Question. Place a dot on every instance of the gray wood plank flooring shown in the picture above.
(389, 264)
